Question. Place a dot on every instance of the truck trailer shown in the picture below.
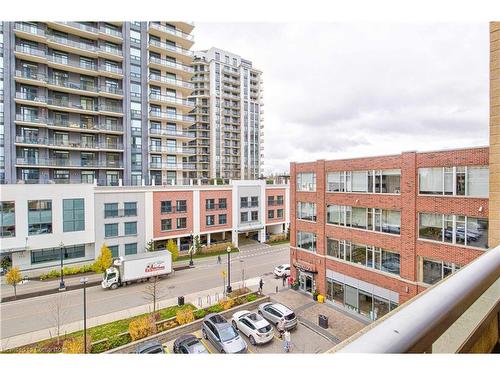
(137, 267)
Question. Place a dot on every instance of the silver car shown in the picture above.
(274, 312)
(222, 335)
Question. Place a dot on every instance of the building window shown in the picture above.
(279, 213)
(210, 204)
(244, 217)
(166, 224)
(279, 200)
(222, 219)
(222, 203)
(306, 241)
(130, 228)
(270, 214)
(306, 211)
(454, 229)
(244, 202)
(459, 181)
(130, 208)
(254, 202)
(166, 207)
(181, 223)
(375, 219)
(39, 217)
(130, 248)
(387, 181)
(73, 215)
(435, 270)
(306, 181)
(8, 219)
(255, 215)
(181, 206)
(210, 220)
(115, 253)
(110, 210)
(54, 254)
(111, 230)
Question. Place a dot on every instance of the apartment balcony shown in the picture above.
(110, 53)
(30, 53)
(185, 71)
(111, 71)
(76, 28)
(460, 314)
(72, 46)
(176, 35)
(172, 150)
(26, 119)
(66, 145)
(58, 163)
(75, 87)
(30, 78)
(111, 35)
(184, 86)
(30, 99)
(172, 166)
(29, 32)
(159, 115)
(182, 54)
(184, 104)
(80, 67)
(171, 133)
(110, 92)
(66, 105)
(111, 110)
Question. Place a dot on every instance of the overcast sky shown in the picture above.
(341, 90)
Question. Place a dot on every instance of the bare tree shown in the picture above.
(57, 314)
(154, 291)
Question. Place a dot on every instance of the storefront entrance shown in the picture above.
(306, 282)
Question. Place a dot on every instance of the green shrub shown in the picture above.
(251, 297)
(100, 347)
(239, 301)
(116, 341)
(215, 308)
(215, 248)
(199, 314)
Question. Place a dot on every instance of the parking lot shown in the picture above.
(304, 340)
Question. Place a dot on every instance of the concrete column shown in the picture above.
(262, 235)
(223, 235)
(120, 182)
(494, 157)
(234, 237)
(208, 239)
(143, 182)
(178, 242)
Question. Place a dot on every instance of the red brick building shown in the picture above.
(371, 233)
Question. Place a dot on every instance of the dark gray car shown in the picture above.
(222, 335)
(189, 344)
(151, 347)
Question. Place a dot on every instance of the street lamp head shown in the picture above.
(228, 249)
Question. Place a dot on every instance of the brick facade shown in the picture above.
(216, 194)
(408, 202)
(173, 196)
(274, 192)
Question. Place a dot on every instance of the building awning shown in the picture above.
(249, 229)
(305, 266)
(13, 250)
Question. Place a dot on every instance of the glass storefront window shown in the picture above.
(380, 307)
(365, 302)
(351, 297)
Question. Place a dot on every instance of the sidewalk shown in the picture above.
(194, 298)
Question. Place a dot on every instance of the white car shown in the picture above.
(283, 269)
(255, 327)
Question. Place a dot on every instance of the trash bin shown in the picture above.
(323, 321)
(180, 300)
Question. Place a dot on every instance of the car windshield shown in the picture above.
(227, 333)
(110, 276)
(290, 316)
(197, 348)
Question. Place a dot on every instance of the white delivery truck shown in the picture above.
(137, 267)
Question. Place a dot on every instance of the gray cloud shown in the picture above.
(346, 90)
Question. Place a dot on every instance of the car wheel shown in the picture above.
(222, 351)
(259, 312)
(252, 340)
(114, 286)
(235, 326)
(204, 334)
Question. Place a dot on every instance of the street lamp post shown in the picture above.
(61, 283)
(84, 281)
(229, 289)
(191, 263)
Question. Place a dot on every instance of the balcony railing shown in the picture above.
(172, 81)
(176, 166)
(173, 133)
(80, 26)
(30, 97)
(30, 50)
(52, 162)
(453, 316)
(173, 150)
(275, 203)
(72, 43)
(171, 64)
(122, 212)
(170, 47)
(171, 31)
(110, 108)
(170, 99)
(76, 64)
(69, 104)
(215, 206)
(112, 32)
(171, 116)
(72, 84)
(110, 69)
(27, 28)
(111, 50)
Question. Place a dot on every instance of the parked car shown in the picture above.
(151, 347)
(255, 327)
(189, 344)
(283, 269)
(274, 312)
(222, 335)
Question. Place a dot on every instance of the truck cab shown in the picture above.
(111, 278)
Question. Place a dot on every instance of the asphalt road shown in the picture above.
(33, 314)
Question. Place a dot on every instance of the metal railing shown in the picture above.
(171, 116)
(77, 64)
(173, 133)
(172, 81)
(170, 99)
(171, 31)
(416, 325)
(171, 47)
(171, 64)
